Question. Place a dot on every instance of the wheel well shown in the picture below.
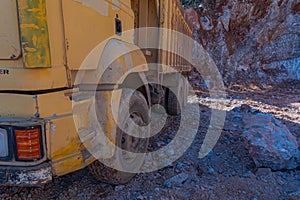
(138, 79)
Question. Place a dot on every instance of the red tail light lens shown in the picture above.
(28, 144)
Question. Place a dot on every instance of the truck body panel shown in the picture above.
(9, 32)
(94, 24)
(34, 33)
(168, 15)
(62, 142)
(37, 79)
(172, 18)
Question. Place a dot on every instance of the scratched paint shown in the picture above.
(101, 6)
(110, 124)
(68, 158)
(34, 33)
(116, 5)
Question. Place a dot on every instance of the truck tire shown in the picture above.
(174, 100)
(173, 105)
(138, 112)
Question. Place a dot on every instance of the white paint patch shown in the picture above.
(101, 6)
(116, 5)
(37, 177)
(53, 127)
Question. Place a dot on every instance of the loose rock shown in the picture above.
(269, 142)
(177, 180)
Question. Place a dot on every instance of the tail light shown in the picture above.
(28, 143)
(3, 144)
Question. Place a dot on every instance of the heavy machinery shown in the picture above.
(43, 47)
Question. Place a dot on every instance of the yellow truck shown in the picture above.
(44, 45)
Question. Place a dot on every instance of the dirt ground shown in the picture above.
(228, 172)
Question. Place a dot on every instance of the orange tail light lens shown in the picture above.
(28, 144)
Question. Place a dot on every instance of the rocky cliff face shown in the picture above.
(253, 42)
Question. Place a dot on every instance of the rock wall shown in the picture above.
(251, 41)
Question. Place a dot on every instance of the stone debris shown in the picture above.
(177, 180)
(269, 142)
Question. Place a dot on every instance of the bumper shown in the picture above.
(26, 176)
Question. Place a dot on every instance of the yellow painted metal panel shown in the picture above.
(91, 125)
(19, 79)
(54, 104)
(65, 146)
(34, 33)
(9, 32)
(56, 33)
(172, 18)
(87, 25)
(50, 105)
(118, 69)
(17, 106)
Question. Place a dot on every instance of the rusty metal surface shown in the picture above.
(29, 176)
(34, 33)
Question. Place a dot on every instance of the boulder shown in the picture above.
(270, 143)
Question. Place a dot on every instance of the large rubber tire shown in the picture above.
(174, 99)
(138, 112)
(173, 105)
